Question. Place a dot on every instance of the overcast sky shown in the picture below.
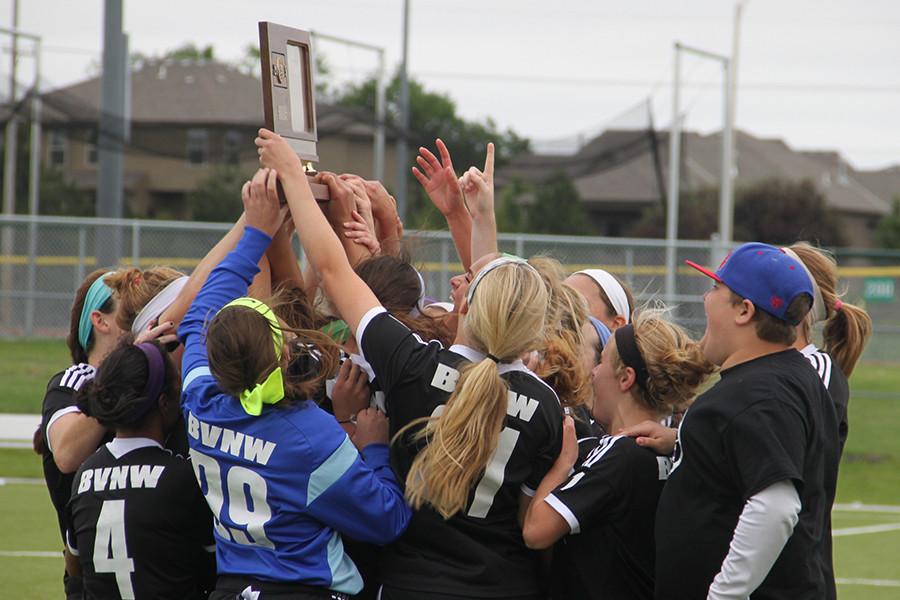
(822, 74)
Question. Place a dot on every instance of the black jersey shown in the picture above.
(767, 420)
(59, 400)
(836, 383)
(140, 525)
(480, 550)
(610, 506)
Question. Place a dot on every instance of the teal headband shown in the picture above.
(96, 296)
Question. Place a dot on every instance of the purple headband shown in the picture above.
(156, 372)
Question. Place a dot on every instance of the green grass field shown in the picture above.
(870, 474)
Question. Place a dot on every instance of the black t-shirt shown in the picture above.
(767, 420)
(836, 383)
(610, 506)
(143, 506)
(479, 551)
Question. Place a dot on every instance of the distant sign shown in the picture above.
(879, 289)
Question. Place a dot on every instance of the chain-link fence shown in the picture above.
(44, 259)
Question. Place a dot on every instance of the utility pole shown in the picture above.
(402, 167)
(9, 173)
(726, 192)
(111, 134)
(12, 126)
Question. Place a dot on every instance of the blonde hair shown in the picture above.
(134, 288)
(561, 366)
(676, 366)
(847, 329)
(505, 319)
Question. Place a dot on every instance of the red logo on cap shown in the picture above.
(776, 302)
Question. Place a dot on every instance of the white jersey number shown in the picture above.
(246, 500)
(493, 474)
(110, 551)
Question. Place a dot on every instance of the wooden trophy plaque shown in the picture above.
(289, 103)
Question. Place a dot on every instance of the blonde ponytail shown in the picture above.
(847, 327)
(505, 320)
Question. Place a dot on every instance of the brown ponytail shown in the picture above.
(505, 320)
(134, 288)
(847, 327)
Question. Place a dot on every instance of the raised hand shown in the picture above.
(164, 333)
(275, 153)
(360, 233)
(478, 186)
(261, 206)
(439, 179)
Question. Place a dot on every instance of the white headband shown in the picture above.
(505, 259)
(613, 289)
(818, 308)
(157, 305)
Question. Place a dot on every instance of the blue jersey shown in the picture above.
(285, 485)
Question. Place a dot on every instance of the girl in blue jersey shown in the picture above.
(485, 429)
(282, 478)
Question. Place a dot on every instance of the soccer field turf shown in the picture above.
(866, 542)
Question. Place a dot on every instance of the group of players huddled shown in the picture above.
(253, 431)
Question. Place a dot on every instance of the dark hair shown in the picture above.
(242, 355)
(79, 354)
(116, 396)
(395, 282)
(770, 328)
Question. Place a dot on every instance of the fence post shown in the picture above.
(82, 252)
(520, 245)
(629, 267)
(136, 243)
(445, 274)
(32, 275)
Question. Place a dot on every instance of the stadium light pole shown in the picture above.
(675, 158)
(380, 98)
(34, 170)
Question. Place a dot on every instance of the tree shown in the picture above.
(776, 211)
(557, 208)
(698, 214)
(887, 235)
(433, 115)
(781, 212)
(217, 198)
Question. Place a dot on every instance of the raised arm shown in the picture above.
(439, 181)
(478, 188)
(231, 278)
(285, 269)
(347, 292)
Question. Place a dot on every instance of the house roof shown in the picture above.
(196, 93)
(618, 167)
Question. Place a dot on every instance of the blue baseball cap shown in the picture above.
(764, 275)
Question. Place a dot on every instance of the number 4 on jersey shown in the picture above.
(110, 550)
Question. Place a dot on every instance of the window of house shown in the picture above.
(197, 146)
(57, 148)
(232, 147)
(90, 151)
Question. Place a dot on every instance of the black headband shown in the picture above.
(631, 355)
